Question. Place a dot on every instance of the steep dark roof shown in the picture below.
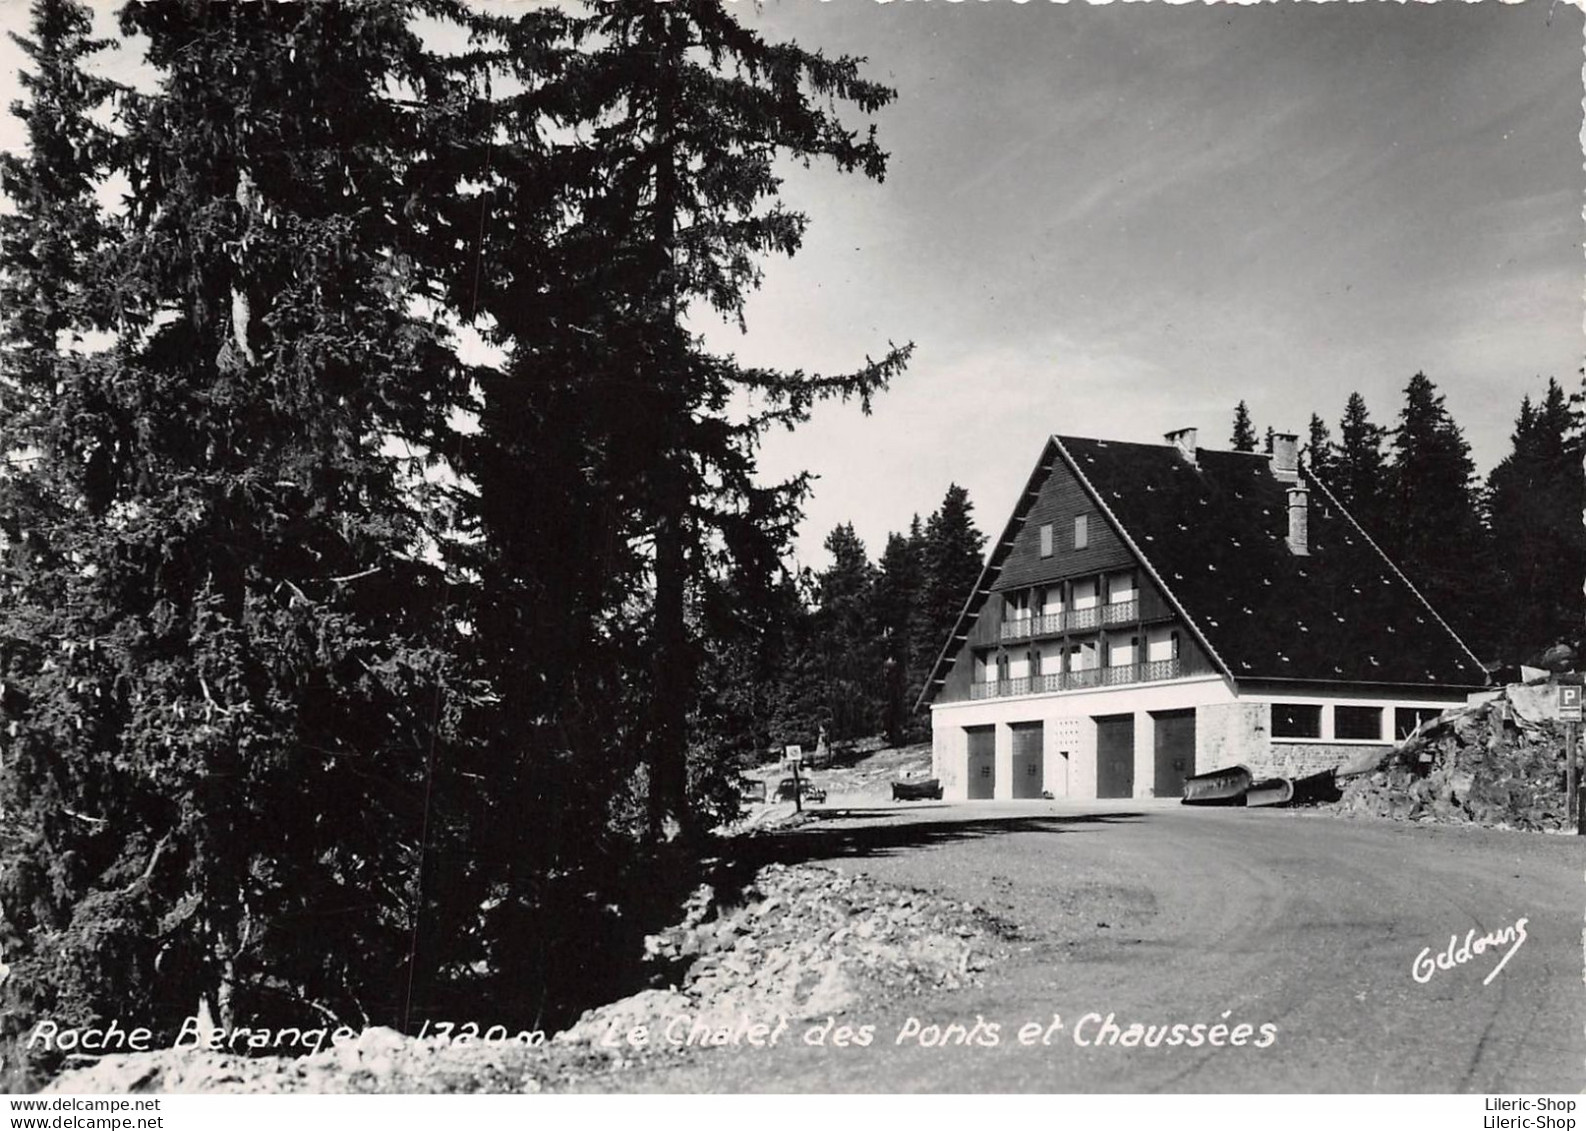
(1214, 535)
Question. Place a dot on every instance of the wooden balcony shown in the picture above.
(1055, 624)
(1119, 675)
(1048, 624)
(1147, 606)
(1123, 612)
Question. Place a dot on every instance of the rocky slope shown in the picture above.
(1495, 763)
(800, 943)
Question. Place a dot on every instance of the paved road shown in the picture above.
(1163, 915)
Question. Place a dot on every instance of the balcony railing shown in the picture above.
(1123, 612)
(1051, 624)
(1147, 672)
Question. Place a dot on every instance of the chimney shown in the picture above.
(1286, 456)
(1184, 440)
(1299, 521)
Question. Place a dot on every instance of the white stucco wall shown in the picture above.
(1068, 724)
(1229, 730)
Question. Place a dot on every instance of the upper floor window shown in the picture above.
(1081, 531)
(1046, 540)
(1120, 588)
(1161, 646)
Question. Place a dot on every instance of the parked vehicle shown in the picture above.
(930, 790)
(785, 790)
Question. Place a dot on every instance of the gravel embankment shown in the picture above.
(800, 942)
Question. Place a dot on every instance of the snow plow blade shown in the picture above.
(1220, 787)
(1271, 791)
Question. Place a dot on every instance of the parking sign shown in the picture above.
(1569, 703)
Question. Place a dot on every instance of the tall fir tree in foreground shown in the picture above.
(670, 213)
(226, 651)
(56, 808)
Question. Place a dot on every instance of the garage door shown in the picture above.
(1115, 756)
(1028, 777)
(1175, 750)
(982, 762)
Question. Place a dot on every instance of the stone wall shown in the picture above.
(1228, 734)
(1301, 759)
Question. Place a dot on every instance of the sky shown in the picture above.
(1115, 221)
(1119, 220)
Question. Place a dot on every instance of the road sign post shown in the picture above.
(1569, 710)
(1571, 787)
(1580, 809)
(795, 755)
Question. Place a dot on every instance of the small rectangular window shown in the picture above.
(1046, 540)
(1081, 531)
(1296, 720)
(1357, 722)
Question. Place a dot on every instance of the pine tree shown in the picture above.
(1431, 524)
(1244, 437)
(845, 625)
(56, 835)
(1358, 474)
(229, 654)
(672, 210)
(1320, 455)
(898, 588)
(799, 692)
(1538, 544)
(950, 566)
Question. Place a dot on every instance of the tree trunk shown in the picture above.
(668, 753)
(668, 736)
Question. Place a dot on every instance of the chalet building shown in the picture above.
(1154, 611)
